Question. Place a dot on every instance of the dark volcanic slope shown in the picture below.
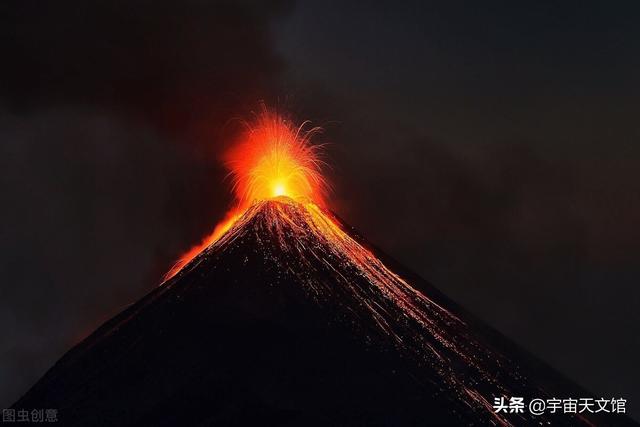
(289, 320)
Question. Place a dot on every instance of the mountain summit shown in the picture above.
(291, 318)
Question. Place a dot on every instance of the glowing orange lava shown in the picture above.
(272, 158)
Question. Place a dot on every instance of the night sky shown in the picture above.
(492, 147)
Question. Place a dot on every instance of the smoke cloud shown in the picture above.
(112, 115)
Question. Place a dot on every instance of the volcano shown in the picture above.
(292, 318)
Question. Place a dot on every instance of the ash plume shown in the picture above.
(110, 115)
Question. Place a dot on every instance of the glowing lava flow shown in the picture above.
(280, 221)
(311, 248)
(273, 158)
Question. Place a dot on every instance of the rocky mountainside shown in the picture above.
(291, 318)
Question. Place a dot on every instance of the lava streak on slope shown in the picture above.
(291, 318)
(310, 248)
(281, 218)
(272, 158)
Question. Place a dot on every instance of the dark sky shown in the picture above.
(494, 148)
(490, 146)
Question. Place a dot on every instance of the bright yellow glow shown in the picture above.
(273, 158)
(279, 190)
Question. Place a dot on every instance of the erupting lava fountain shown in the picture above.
(284, 315)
